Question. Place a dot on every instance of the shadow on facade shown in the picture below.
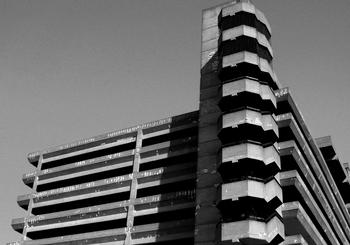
(166, 190)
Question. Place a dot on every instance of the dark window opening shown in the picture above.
(165, 217)
(169, 161)
(173, 187)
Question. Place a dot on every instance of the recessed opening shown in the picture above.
(170, 136)
(173, 187)
(246, 208)
(169, 161)
(165, 217)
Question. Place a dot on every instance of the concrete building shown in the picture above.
(244, 169)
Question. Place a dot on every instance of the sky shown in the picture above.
(73, 69)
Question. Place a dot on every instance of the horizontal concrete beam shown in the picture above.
(294, 240)
(80, 166)
(169, 144)
(290, 148)
(251, 117)
(297, 222)
(171, 121)
(268, 155)
(88, 150)
(329, 188)
(93, 186)
(169, 231)
(179, 197)
(250, 85)
(292, 178)
(168, 130)
(270, 191)
(251, 232)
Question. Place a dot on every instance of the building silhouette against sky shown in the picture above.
(243, 169)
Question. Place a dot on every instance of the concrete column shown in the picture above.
(31, 201)
(133, 190)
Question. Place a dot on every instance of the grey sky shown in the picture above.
(79, 68)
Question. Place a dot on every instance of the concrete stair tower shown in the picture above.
(239, 162)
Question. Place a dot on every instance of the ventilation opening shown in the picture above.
(173, 187)
(170, 136)
(169, 161)
(165, 217)
(89, 155)
(77, 229)
(85, 178)
(82, 203)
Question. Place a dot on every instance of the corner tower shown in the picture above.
(239, 195)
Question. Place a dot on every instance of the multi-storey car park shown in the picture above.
(244, 169)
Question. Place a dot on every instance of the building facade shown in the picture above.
(243, 169)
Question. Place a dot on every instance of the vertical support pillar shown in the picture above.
(133, 189)
(31, 200)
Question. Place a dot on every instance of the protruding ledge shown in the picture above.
(251, 232)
